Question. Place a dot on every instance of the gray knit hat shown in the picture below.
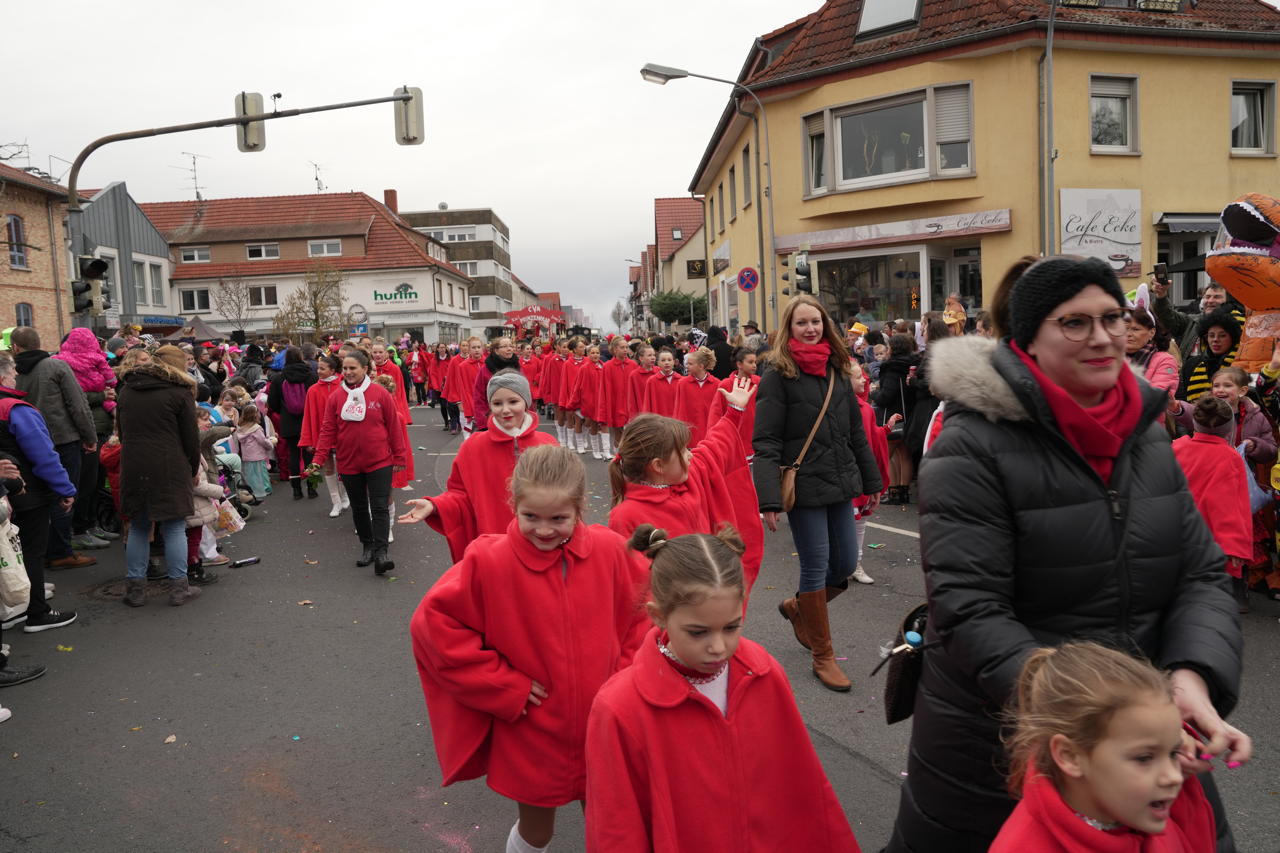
(1047, 284)
(115, 344)
(512, 380)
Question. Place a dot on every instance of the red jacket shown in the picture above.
(461, 381)
(568, 381)
(1043, 823)
(635, 390)
(436, 370)
(389, 368)
(748, 422)
(313, 409)
(1219, 484)
(719, 490)
(878, 438)
(477, 498)
(549, 380)
(532, 370)
(419, 365)
(508, 615)
(367, 445)
(667, 771)
(660, 394)
(617, 380)
(589, 392)
(693, 404)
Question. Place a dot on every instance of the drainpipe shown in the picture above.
(1050, 153)
(759, 184)
(54, 246)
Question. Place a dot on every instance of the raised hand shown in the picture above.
(743, 389)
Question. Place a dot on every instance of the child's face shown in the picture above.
(508, 408)
(476, 349)
(593, 353)
(859, 380)
(546, 518)
(1132, 776)
(696, 365)
(666, 362)
(203, 421)
(1225, 388)
(747, 367)
(705, 635)
(647, 359)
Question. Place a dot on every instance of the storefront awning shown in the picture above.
(1188, 223)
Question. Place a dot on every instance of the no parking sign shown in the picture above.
(748, 279)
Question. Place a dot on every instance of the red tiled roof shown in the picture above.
(389, 242)
(9, 174)
(633, 275)
(670, 214)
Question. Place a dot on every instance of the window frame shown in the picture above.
(470, 269)
(732, 180)
(15, 230)
(1267, 91)
(194, 292)
(473, 305)
(249, 247)
(720, 201)
(140, 286)
(746, 176)
(195, 259)
(158, 289)
(1133, 145)
(260, 290)
(312, 244)
(30, 319)
(464, 234)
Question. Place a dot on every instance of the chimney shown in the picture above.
(390, 200)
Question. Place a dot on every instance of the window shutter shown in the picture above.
(951, 114)
(814, 124)
(1111, 87)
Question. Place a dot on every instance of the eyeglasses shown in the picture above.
(1078, 327)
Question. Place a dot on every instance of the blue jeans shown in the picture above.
(138, 549)
(826, 540)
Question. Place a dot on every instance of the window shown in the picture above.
(504, 273)
(450, 295)
(140, 282)
(16, 235)
(711, 215)
(884, 140)
(720, 201)
(323, 249)
(1252, 117)
(815, 127)
(439, 291)
(262, 251)
(468, 267)
(462, 235)
(504, 242)
(733, 193)
(880, 17)
(677, 234)
(24, 316)
(157, 284)
(195, 300)
(1113, 126)
(195, 255)
(951, 127)
(436, 235)
(262, 296)
(746, 176)
(475, 304)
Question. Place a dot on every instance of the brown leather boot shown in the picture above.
(813, 612)
(791, 612)
(180, 592)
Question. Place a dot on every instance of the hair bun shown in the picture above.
(648, 539)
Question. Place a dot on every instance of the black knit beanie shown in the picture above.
(1049, 283)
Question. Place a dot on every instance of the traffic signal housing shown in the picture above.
(803, 282)
(81, 300)
(87, 289)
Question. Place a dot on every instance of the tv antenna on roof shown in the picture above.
(193, 171)
(320, 187)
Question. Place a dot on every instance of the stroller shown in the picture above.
(237, 491)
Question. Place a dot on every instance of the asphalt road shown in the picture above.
(299, 725)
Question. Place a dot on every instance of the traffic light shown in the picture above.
(91, 267)
(80, 299)
(409, 119)
(86, 290)
(250, 136)
(801, 267)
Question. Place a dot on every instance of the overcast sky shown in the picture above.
(533, 107)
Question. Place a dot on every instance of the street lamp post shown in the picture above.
(661, 74)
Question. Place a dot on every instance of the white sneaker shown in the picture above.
(5, 714)
(336, 511)
(862, 577)
(48, 590)
(346, 502)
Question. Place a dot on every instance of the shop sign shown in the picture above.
(904, 231)
(1103, 224)
(401, 293)
(695, 268)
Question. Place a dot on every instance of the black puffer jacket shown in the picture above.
(896, 396)
(300, 374)
(159, 442)
(839, 465)
(1024, 546)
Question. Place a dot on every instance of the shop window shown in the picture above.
(1252, 117)
(886, 286)
(1113, 114)
(16, 236)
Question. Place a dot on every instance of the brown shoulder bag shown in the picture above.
(788, 488)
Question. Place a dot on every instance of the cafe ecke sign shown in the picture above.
(1103, 224)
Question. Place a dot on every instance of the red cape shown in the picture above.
(748, 422)
(693, 404)
(878, 438)
(437, 369)
(531, 369)
(617, 380)
(461, 381)
(552, 369)
(313, 410)
(660, 394)
(568, 382)
(589, 391)
(399, 479)
(1219, 483)
(635, 390)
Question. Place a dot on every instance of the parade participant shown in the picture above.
(287, 397)
(1098, 756)
(254, 447)
(577, 351)
(476, 499)
(552, 373)
(617, 387)
(437, 367)
(508, 695)
(878, 438)
(1048, 434)
(399, 479)
(744, 361)
(806, 403)
(391, 369)
(660, 390)
(460, 380)
(1219, 339)
(701, 702)
(531, 367)
(364, 429)
(656, 478)
(646, 358)
(502, 356)
(419, 371)
(328, 368)
(97, 380)
(695, 392)
(590, 401)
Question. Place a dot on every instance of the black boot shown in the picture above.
(1241, 589)
(197, 575)
(311, 490)
(366, 557)
(381, 562)
(296, 482)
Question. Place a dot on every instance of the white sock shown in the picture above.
(516, 844)
(391, 517)
(606, 446)
(560, 434)
(208, 544)
(581, 441)
(597, 444)
(860, 525)
(334, 486)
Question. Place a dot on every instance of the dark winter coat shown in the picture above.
(839, 465)
(719, 345)
(297, 372)
(209, 379)
(52, 388)
(895, 396)
(250, 370)
(1024, 546)
(159, 442)
(921, 405)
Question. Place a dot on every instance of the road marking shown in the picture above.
(897, 530)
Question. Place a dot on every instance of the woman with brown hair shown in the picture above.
(809, 391)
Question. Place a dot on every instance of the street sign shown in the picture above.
(748, 279)
(360, 329)
(112, 317)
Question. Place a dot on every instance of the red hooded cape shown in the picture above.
(552, 369)
(399, 479)
(313, 409)
(590, 395)
(437, 368)
(635, 390)
(878, 438)
(568, 381)
(460, 381)
(693, 404)
(1219, 483)
(660, 394)
(531, 369)
(617, 381)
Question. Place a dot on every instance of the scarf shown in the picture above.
(811, 358)
(496, 362)
(334, 378)
(1097, 432)
(1201, 378)
(354, 409)
(1142, 357)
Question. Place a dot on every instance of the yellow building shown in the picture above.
(908, 145)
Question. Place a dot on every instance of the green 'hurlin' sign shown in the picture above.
(402, 293)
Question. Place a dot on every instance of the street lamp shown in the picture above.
(660, 74)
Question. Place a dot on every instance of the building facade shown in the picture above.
(33, 275)
(479, 244)
(116, 230)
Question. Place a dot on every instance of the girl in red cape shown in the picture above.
(695, 392)
(437, 369)
(656, 478)
(514, 641)
(1102, 760)
(660, 390)
(686, 747)
(617, 380)
(502, 355)
(646, 358)
(589, 401)
(329, 369)
(564, 399)
(531, 367)
(461, 381)
(745, 362)
(552, 370)
(475, 499)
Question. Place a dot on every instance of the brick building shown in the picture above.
(33, 274)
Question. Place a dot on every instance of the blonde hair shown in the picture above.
(1073, 690)
(550, 467)
(704, 356)
(645, 438)
(688, 569)
(385, 381)
(780, 356)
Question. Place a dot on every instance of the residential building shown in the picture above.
(676, 222)
(909, 144)
(116, 229)
(479, 244)
(33, 277)
(237, 260)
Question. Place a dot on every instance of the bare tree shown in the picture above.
(231, 299)
(620, 315)
(316, 307)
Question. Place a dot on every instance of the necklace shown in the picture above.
(690, 675)
(1095, 823)
(653, 485)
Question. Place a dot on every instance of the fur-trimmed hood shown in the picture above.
(961, 371)
(156, 374)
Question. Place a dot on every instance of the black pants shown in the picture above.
(452, 416)
(85, 512)
(33, 524)
(58, 540)
(299, 457)
(421, 389)
(370, 495)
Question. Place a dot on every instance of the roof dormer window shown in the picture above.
(677, 234)
(882, 17)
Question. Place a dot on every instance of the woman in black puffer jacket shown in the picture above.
(897, 397)
(837, 468)
(1051, 508)
(286, 396)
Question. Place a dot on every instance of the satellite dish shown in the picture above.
(444, 205)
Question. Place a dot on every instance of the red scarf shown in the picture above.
(1096, 432)
(811, 358)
